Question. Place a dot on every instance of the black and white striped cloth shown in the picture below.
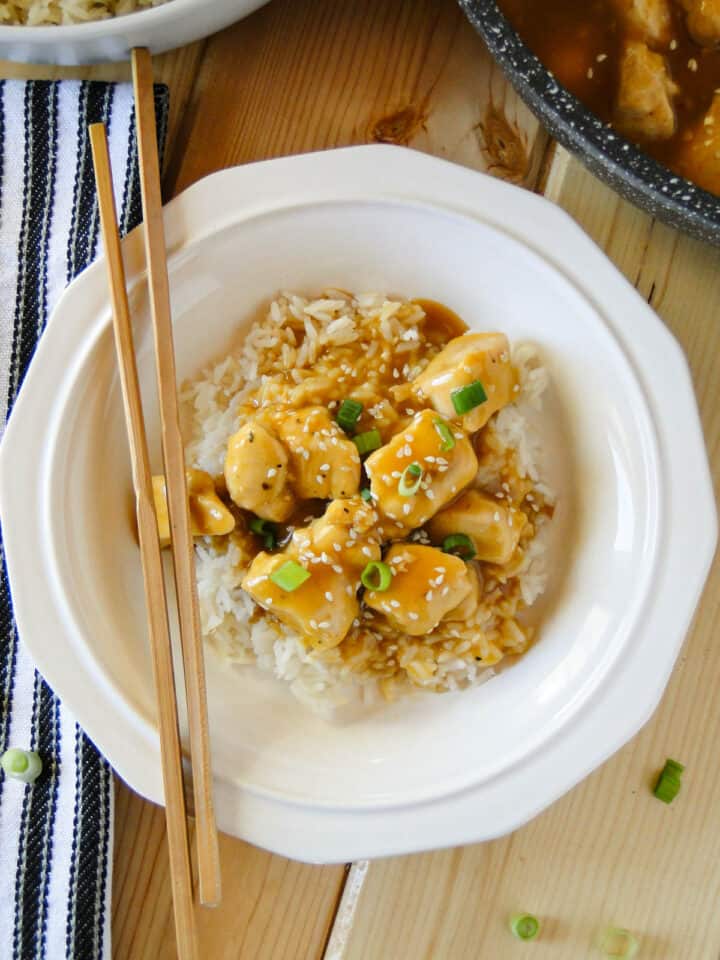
(56, 834)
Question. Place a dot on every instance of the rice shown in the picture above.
(340, 345)
(35, 13)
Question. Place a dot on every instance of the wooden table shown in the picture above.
(311, 74)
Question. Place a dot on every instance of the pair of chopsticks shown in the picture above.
(181, 538)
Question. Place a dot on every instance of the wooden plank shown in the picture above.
(608, 852)
(272, 907)
(301, 76)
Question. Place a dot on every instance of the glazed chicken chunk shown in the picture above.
(466, 359)
(493, 528)
(703, 20)
(644, 109)
(325, 464)
(209, 517)
(256, 472)
(334, 550)
(426, 584)
(650, 20)
(416, 456)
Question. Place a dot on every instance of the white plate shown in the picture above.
(161, 28)
(634, 534)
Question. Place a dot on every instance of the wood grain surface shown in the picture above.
(313, 74)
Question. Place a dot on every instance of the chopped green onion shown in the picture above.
(668, 784)
(366, 494)
(409, 482)
(524, 926)
(290, 576)
(446, 435)
(616, 942)
(349, 414)
(266, 530)
(368, 441)
(376, 576)
(459, 544)
(465, 399)
(23, 765)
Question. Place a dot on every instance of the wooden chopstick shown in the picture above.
(155, 599)
(174, 458)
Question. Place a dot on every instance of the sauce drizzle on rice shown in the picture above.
(309, 354)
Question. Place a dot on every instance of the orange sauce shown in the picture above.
(580, 42)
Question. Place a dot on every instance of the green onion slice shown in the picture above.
(368, 441)
(266, 530)
(290, 576)
(409, 482)
(465, 399)
(446, 435)
(376, 576)
(366, 494)
(616, 942)
(349, 414)
(23, 765)
(459, 544)
(667, 787)
(524, 926)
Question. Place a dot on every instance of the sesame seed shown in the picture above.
(673, 44)
(430, 494)
(319, 479)
(429, 596)
(406, 508)
(692, 64)
(366, 551)
(324, 624)
(337, 568)
(348, 590)
(413, 615)
(313, 624)
(271, 473)
(328, 596)
(324, 466)
(496, 516)
(590, 73)
(395, 603)
(600, 57)
(409, 411)
(445, 591)
(337, 548)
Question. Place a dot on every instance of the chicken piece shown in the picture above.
(474, 356)
(325, 464)
(697, 157)
(493, 528)
(445, 472)
(256, 472)
(703, 21)
(468, 607)
(644, 108)
(209, 517)
(334, 549)
(648, 20)
(426, 585)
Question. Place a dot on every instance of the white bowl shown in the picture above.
(160, 28)
(634, 532)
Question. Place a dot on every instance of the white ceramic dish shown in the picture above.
(635, 532)
(160, 28)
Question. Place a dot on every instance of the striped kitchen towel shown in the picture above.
(56, 834)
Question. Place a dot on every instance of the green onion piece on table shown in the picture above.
(368, 441)
(266, 530)
(376, 576)
(366, 494)
(290, 576)
(409, 482)
(446, 435)
(23, 765)
(668, 784)
(460, 545)
(616, 942)
(465, 399)
(349, 414)
(524, 926)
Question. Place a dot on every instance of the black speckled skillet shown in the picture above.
(627, 169)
